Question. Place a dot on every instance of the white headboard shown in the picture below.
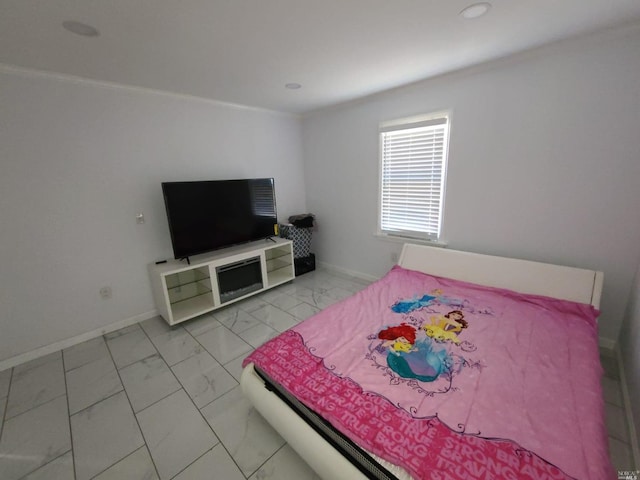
(524, 276)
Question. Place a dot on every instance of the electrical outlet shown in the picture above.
(394, 257)
(105, 292)
(140, 218)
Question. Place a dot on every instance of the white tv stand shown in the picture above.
(219, 278)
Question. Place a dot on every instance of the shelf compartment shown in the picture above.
(186, 277)
(189, 290)
(278, 263)
(192, 307)
(281, 275)
(277, 252)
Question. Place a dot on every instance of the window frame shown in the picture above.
(407, 124)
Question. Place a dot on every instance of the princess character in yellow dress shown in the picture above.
(446, 327)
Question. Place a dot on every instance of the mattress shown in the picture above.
(448, 379)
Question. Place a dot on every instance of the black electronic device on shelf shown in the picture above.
(209, 215)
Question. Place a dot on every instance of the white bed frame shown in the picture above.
(567, 283)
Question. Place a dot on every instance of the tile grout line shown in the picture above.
(219, 440)
(225, 368)
(96, 403)
(204, 406)
(12, 377)
(190, 399)
(616, 378)
(626, 444)
(65, 394)
(131, 406)
(66, 391)
(264, 323)
(210, 450)
(267, 460)
(123, 458)
(50, 462)
(6, 405)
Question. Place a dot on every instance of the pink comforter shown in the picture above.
(452, 380)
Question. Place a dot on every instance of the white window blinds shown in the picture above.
(263, 202)
(412, 178)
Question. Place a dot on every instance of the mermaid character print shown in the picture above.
(428, 346)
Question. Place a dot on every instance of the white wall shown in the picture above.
(544, 163)
(78, 160)
(629, 343)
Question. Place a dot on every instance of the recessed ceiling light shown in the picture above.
(476, 10)
(80, 28)
(293, 86)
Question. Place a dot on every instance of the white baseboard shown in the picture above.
(70, 342)
(633, 433)
(345, 271)
(607, 344)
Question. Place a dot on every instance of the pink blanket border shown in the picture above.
(425, 447)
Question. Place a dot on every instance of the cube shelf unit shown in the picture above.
(219, 278)
(279, 262)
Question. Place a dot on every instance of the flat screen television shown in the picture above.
(208, 215)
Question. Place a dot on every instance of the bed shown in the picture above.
(453, 365)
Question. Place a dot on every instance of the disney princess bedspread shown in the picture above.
(452, 380)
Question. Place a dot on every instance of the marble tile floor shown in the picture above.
(615, 415)
(157, 402)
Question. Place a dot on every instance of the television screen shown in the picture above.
(208, 215)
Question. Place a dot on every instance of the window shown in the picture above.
(412, 178)
(263, 200)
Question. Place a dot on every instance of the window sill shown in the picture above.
(418, 241)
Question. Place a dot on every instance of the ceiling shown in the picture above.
(245, 51)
